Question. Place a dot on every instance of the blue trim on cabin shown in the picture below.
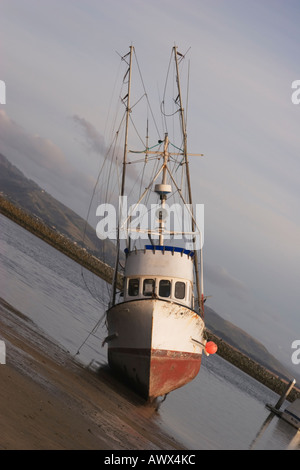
(175, 249)
(297, 418)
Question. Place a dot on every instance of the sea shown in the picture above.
(221, 409)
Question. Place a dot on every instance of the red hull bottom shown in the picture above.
(170, 370)
(157, 372)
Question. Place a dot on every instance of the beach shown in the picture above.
(49, 401)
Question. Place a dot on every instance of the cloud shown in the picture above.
(20, 145)
(218, 275)
(93, 140)
(42, 160)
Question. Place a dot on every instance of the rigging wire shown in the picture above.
(164, 94)
(142, 81)
(91, 333)
(111, 100)
(90, 207)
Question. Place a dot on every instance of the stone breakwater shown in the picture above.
(61, 242)
(101, 269)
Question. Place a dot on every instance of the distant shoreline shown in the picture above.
(253, 368)
(105, 272)
(55, 239)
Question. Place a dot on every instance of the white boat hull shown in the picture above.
(154, 344)
(292, 414)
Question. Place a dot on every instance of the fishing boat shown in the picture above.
(292, 414)
(155, 319)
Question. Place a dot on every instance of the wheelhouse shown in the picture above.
(173, 279)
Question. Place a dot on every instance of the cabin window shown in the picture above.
(149, 286)
(180, 290)
(133, 287)
(164, 288)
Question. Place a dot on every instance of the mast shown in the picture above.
(127, 121)
(199, 279)
(115, 278)
(163, 189)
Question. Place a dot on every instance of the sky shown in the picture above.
(59, 60)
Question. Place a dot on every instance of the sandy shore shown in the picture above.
(48, 401)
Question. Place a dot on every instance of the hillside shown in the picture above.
(33, 199)
(245, 343)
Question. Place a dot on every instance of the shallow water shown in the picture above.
(223, 408)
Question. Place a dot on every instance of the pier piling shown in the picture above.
(285, 394)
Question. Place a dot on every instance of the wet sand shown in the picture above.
(49, 401)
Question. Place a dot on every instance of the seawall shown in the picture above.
(253, 368)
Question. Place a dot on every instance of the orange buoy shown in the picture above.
(211, 347)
